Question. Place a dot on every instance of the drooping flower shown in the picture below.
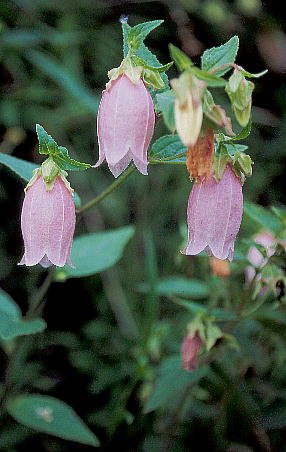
(48, 221)
(125, 124)
(199, 157)
(188, 107)
(254, 256)
(214, 216)
(191, 347)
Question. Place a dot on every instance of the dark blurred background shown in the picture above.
(54, 58)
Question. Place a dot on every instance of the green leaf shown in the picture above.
(125, 30)
(218, 56)
(168, 149)
(210, 79)
(52, 416)
(165, 103)
(11, 326)
(25, 169)
(182, 287)
(171, 382)
(95, 252)
(181, 60)
(138, 33)
(47, 144)
(22, 168)
(64, 161)
(263, 217)
(8, 305)
(62, 77)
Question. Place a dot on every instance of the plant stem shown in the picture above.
(108, 190)
(36, 301)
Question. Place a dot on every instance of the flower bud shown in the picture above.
(199, 157)
(191, 347)
(47, 221)
(255, 257)
(188, 107)
(239, 91)
(125, 124)
(214, 216)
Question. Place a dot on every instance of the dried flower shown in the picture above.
(214, 216)
(125, 124)
(48, 221)
(199, 157)
(190, 349)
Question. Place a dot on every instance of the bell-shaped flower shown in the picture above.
(191, 347)
(125, 124)
(188, 107)
(214, 216)
(48, 221)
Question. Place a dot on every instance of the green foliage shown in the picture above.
(263, 217)
(52, 416)
(176, 286)
(218, 56)
(165, 104)
(211, 79)
(11, 322)
(168, 149)
(95, 252)
(182, 61)
(139, 32)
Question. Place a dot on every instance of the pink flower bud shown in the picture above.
(190, 349)
(48, 222)
(254, 256)
(214, 216)
(125, 125)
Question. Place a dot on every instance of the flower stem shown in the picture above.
(108, 190)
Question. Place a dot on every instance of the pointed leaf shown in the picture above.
(47, 144)
(181, 60)
(63, 160)
(208, 77)
(168, 149)
(139, 32)
(95, 252)
(52, 416)
(218, 56)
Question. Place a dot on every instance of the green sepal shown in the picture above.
(208, 77)
(152, 79)
(140, 62)
(181, 60)
(138, 33)
(216, 114)
(244, 133)
(250, 75)
(231, 153)
(220, 160)
(59, 154)
(49, 171)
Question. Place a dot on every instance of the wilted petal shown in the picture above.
(190, 349)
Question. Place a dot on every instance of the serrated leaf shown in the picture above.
(125, 30)
(138, 33)
(47, 144)
(171, 382)
(168, 149)
(64, 161)
(208, 77)
(95, 252)
(181, 60)
(50, 415)
(165, 103)
(263, 217)
(11, 326)
(218, 56)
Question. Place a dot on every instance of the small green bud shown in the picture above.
(239, 91)
(50, 171)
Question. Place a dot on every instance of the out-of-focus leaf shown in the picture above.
(171, 382)
(168, 149)
(8, 305)
(263, 217)
(218, 56)
(60, 75)
(11, 327)
(93, 253)
(182, 287)
(52, 416)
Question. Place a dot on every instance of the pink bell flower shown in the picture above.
(191, 347)
(125, 125)
(48, 223)
(214, 216)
